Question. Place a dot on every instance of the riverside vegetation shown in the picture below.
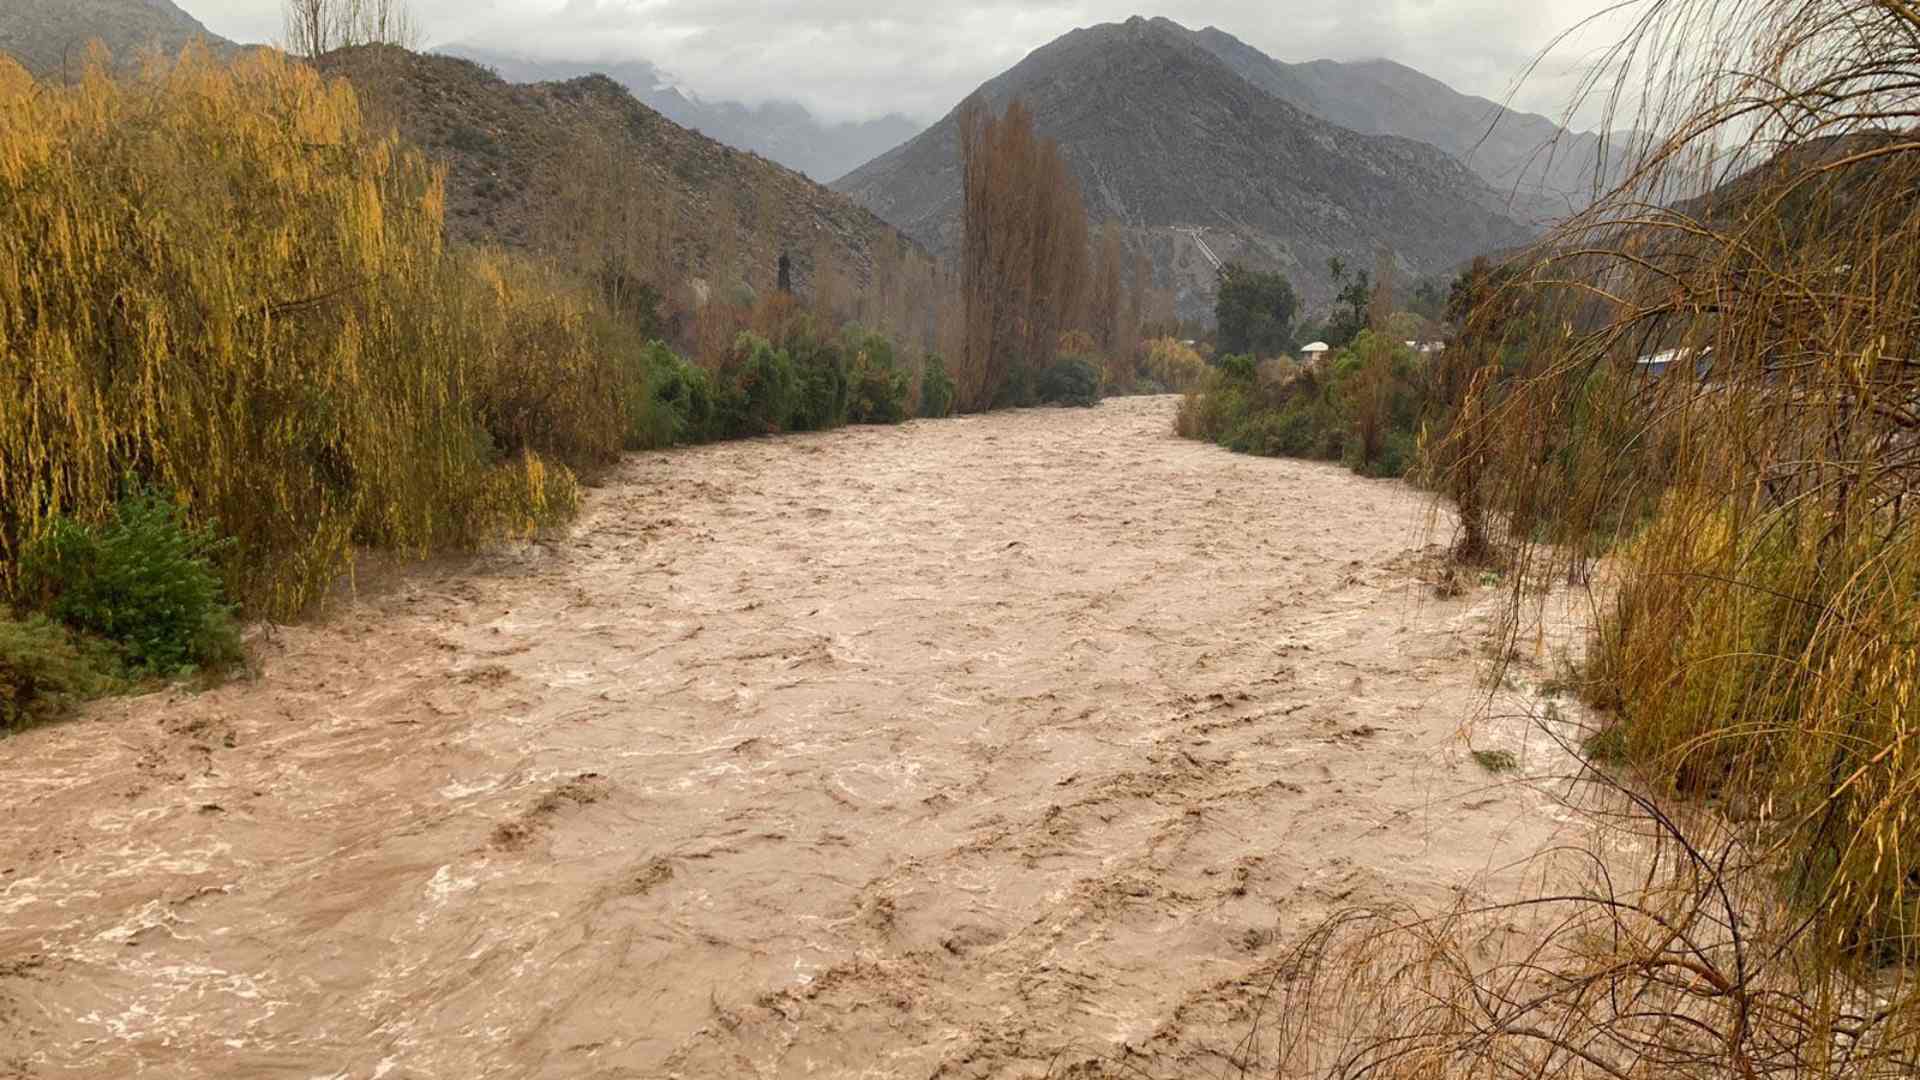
(243, 350)
(1743, 520)
(1363, 404)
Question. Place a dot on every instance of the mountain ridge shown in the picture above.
(1546, 170)
(505, 146)
(50, 36)
(785, 132)
(1136, 105)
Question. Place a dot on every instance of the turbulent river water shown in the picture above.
(981, 747)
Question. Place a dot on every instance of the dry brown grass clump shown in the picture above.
(1649, 955)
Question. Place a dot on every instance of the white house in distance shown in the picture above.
(1652, 367)
(1314, 351)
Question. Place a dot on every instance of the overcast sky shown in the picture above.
(853, 59)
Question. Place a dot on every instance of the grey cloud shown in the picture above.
(855, 59)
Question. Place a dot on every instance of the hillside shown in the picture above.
(1168, 139)
(45, 35)
(781, 131)
(507, 147)
(1544, 170)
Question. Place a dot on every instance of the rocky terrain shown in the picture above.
(1172, 142)
(507, 146)
(1543, 170)
(50, 36)
(781, 131)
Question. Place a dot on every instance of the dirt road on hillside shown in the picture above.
(968, 748)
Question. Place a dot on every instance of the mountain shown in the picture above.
(1199, 163)
(49, 35)
(1546, 171)
(515, 151)
(781, 131)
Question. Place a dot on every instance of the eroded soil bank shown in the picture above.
(968, 748)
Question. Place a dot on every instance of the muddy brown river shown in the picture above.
(997, 746)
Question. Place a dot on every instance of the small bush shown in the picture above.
(1496, 761)
(1071, 380)
(44, 669)
(766, 386)
(821, 381)
(687, 393)
(471, 140)
(880, 386)
(142, 580)
(653, 422)
(936, 388)
(1171, 365)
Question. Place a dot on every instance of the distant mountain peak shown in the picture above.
(1169, 139)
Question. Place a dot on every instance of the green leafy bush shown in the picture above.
(766, 386)
(653, 420)
(1071, 380)
(880, 387)
(936, 388)
(821, 381)
(690, 397)
(142, 580)
(44, 669)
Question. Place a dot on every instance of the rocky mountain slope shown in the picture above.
(1170, 140)
(781, 131)
(1545, 170)
(48, 36)
(505, 146)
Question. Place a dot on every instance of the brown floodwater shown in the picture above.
(980, 747)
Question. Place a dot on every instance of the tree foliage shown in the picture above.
(1023, 266)
(1255, 311)
(1351, 305)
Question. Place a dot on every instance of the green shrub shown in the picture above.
(936, 388)
(141, 580)
(1238, 366)
(687, 393)
(654, 420)
(880, 387)
(766, 387)
(1497, 761)
(44, 669)
(821, 381)
(1019, 390)
(1070, 380)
